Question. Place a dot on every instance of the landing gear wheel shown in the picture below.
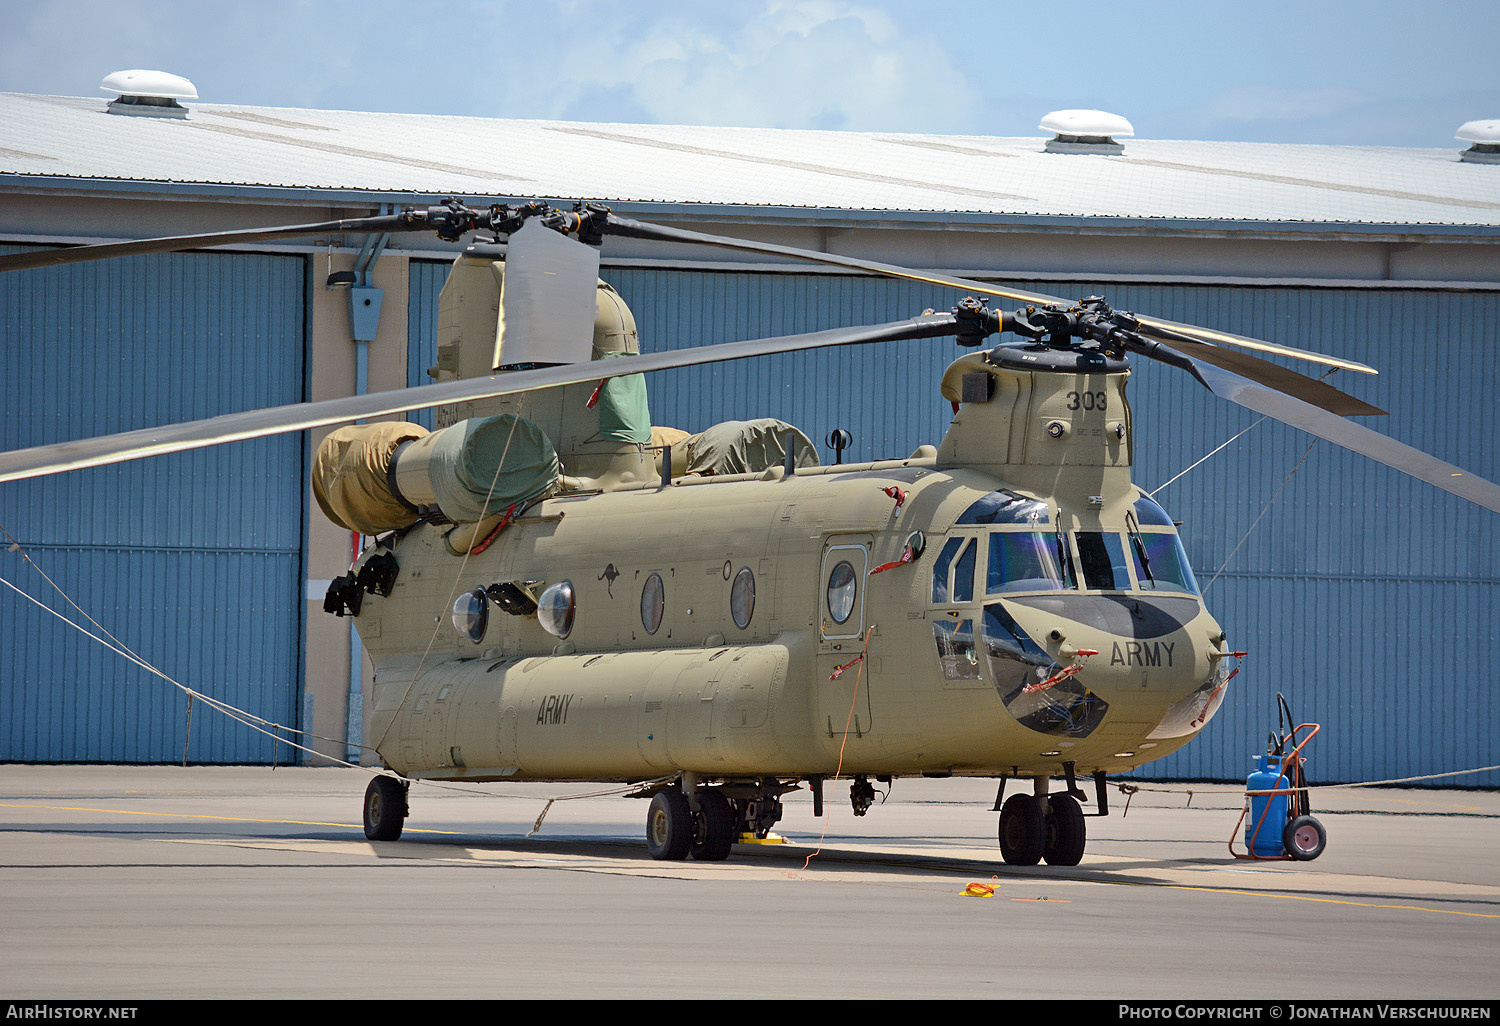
(1304, 838)
(1066, 831)
(385, 808)
(714, 827)
(669, 826)
(1023, 830)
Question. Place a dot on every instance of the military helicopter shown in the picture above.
(556, 589)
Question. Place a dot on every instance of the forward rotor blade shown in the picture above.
(177, 243)
(232, 427)
(1167, 330)
(1355, 437)
(1171, 331)
(1282, 379)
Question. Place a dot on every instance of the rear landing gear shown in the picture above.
(1033, 828)
(669, 825)
(674, 830)
(714, 827)
(385, 808)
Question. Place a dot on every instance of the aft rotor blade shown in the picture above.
(548, 297)
(1288, 409)
(1161, 328)
(177, 243)
(232, 427)
(641, 230)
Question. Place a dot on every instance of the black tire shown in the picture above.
(1066, 831)
(385, 808)
(1304, 838)
(714, 827)
(1023, 830)
(669, 825)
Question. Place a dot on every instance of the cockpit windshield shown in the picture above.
(1026, 553)
(1169, 570)
(1027, 561)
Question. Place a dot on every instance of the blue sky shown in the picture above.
(1376, 72)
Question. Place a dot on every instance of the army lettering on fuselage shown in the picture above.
(1142, 653)
(554, 710)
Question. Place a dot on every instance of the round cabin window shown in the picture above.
(653, 603)
(742, 598)
(842, 584)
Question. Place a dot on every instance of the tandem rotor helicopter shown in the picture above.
(554, 590)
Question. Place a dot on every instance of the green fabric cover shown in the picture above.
(467, 473)
(746, 446)
(624, 415)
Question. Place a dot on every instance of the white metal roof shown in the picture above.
(230, 145)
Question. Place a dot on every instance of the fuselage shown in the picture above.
(776, 625)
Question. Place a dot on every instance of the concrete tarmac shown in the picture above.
(133, 883)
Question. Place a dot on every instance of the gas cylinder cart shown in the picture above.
(1275, 816)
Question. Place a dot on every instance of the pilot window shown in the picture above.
(1027, 561)
(1162, 565)
(1101, 557)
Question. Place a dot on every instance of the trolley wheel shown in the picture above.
(1023, 830)
(1304, 838)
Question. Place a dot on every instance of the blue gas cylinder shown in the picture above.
(1266, 811)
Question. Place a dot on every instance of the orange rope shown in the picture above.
(848, 719)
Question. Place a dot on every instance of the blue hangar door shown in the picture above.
(193, 561)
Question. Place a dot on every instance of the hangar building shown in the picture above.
(1366, 598)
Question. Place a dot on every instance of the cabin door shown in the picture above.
(843, 662)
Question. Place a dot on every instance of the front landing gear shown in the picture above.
(1033, 828)
(385, 808)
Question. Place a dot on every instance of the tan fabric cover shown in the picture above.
(349, 476)
(677, 439)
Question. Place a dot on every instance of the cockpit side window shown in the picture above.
(955, 562)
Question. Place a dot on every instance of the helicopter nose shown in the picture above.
(1059, 662)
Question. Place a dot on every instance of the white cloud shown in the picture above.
(789, 63)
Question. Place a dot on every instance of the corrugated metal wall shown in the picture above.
(193, 560)
(1365, 597)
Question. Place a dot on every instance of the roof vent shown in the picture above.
(1485, 135)
(1086, 131)
(152, 94)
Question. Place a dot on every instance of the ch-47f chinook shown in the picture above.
(551, 592)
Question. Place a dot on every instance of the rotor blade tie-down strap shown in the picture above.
(907, 555)
(1059, 677)
(839, 671)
